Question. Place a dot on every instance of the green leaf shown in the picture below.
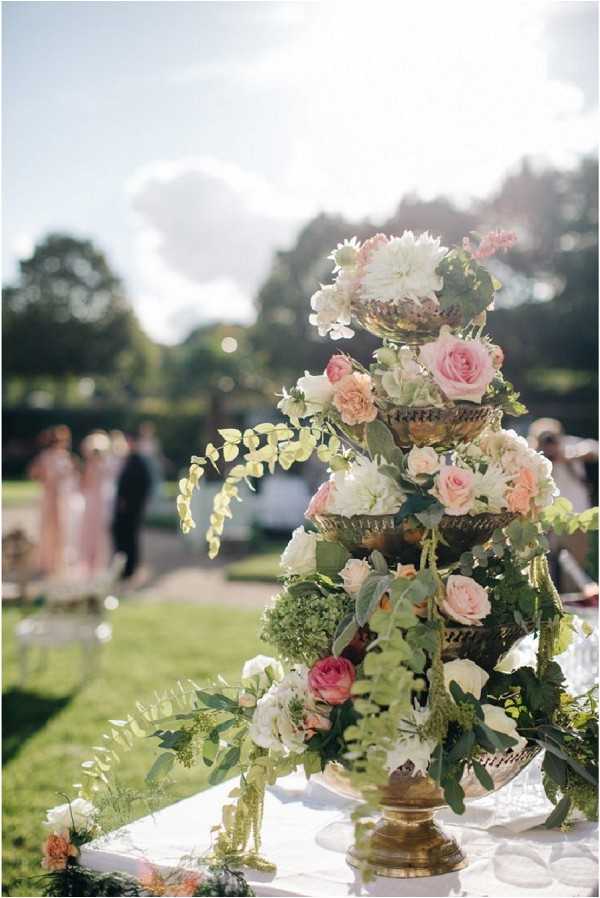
(379, 563)
(370, 594)
(210, 750)
(161, 767)
(229, 760)
(462, 747)
(482, 775)
(559, 814)
(346, 630)
(331, 558)
(555, 768)
(432, 515)
(230, 435)
(380, 441)
(216, 700)
(454, 795)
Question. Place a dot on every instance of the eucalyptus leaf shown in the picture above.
(370, 594)
(161, 767)
(346, 630)
(482, 775)
(216, 701)
(559, 814)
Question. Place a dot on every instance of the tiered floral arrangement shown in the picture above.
(424, 565)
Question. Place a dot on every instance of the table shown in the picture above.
(307, 828)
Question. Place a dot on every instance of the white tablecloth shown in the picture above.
(307, 828)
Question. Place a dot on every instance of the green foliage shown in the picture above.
(331, 558)
(560, 518)
(330, 745)
(79, 882)
(467, 284)
(502, 394)
(303, 619)
(512, 596)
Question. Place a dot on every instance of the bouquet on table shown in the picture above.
(424, 565)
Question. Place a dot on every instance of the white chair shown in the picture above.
(74, 614)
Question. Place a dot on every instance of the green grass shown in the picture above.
(51, 723)
(19, 492)
(262, 568)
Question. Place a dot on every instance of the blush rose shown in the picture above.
(462, 369)
(331, 679)
(455, 488)
(320, 501)
(466, 601)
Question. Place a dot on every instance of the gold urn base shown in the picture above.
(406, 844)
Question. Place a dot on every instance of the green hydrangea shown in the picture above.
(302, 626)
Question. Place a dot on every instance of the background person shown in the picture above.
(97, 486)
(133, 489)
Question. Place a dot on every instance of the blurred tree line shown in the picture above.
(75, 352)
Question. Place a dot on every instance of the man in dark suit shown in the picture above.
(133, 488)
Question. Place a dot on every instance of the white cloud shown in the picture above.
(203, 241)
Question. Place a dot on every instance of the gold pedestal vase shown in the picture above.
(406, 841)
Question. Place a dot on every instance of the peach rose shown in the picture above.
(353, 399)
(462, 369)
(466, 601)
(354, 573)
(319, 502)
(338, 366)
(315, 722)
(331, 679)
(455, 488)
(57, 851)
(523, 492)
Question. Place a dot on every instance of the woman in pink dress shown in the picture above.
(56, 470)
(97, 485)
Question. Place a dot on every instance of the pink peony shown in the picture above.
(57, 851)
(338, 366)
(462, 369)
(353, 399)
(331, 679)
(523, 492)
(455, 488)
(320, 501)
(466, 601)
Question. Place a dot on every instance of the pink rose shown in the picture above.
(338, 366)
(320, 501)
(331, 679)
(462, 369)
(455, 489)
(466, 601)
(57, 851)
(353, 399)
(523, 492)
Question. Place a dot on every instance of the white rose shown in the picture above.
(354, 573)
(422, 461)
(258, 666)
(470, 677)
(79, 817)
(498, 720)
(300, 554)
(317, 390)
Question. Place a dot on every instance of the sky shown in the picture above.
(191, 139)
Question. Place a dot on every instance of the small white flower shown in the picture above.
(317, 390)
(78, 816)
(409, 745)
(258, 666)
(404, 268)
(278, 723)
(470, 677)
(362, 490)
(490, 490)
(345, 255)
(422, 461)
(300, 554)
(354, 573)
(292, 407)
(331, 305)
(498, 720)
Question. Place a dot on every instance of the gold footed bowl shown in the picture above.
(438, 427)
(406, 841)
(404, 321)
(401, 542)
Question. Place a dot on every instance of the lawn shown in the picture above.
(262, 567)
(51, 724)
(19, 492)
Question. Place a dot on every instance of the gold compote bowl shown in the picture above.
(404, 321)
(406, 841)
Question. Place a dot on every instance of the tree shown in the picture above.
(68, 316)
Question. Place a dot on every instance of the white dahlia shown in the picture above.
(404, 268)
(362, 489)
